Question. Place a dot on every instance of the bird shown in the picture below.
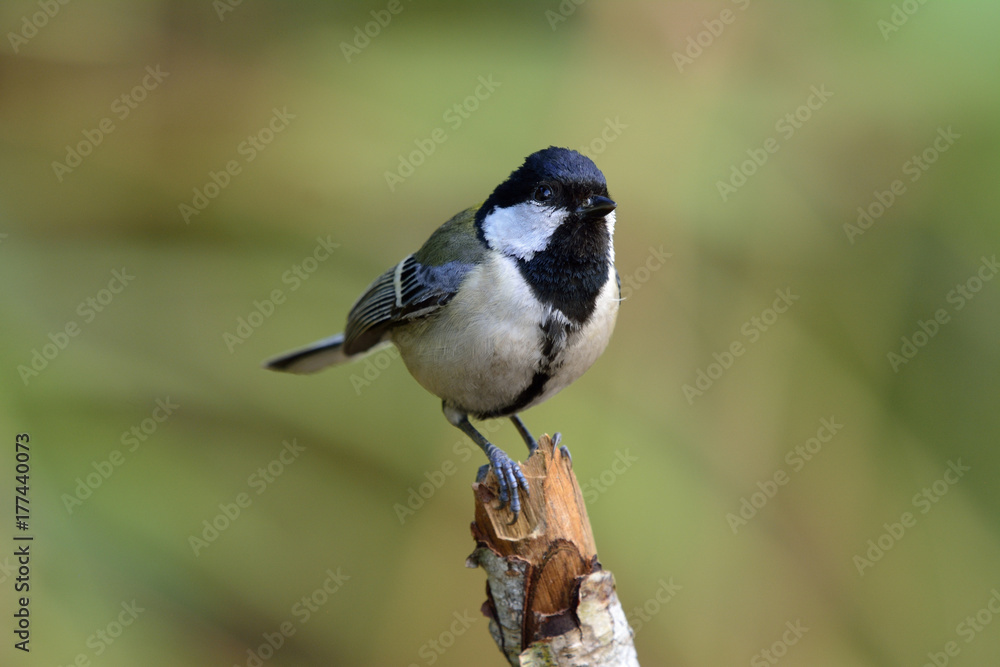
(504, 305)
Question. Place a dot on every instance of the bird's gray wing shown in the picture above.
(418, 285)
(406, 292)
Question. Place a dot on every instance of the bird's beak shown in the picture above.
(596, 207)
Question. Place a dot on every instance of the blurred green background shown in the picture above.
(739, 138)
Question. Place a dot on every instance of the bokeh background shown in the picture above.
(670, 99)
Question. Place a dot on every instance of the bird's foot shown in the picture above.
(484, 470)
(556, 439)
(509, 478)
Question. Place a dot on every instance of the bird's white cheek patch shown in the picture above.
(523, 229)
(609, 220)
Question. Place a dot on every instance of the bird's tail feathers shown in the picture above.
(312, 358)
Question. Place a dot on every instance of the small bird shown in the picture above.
(504, 305)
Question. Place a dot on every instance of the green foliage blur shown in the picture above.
(795, 425)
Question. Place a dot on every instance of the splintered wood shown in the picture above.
(548, 599)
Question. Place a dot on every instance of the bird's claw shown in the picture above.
(556, 439)
(509, 478)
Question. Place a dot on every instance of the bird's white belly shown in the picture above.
(484, 348)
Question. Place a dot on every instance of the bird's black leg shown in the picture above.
(509, 475)
(532, 443)
(525, 433)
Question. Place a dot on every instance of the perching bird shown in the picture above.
(503, 306)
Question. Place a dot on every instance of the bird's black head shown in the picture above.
(555, 177)
(554, 217)
(553, 187)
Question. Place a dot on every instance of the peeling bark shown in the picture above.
(548, 600)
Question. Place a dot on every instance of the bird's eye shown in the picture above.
(544, 193)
